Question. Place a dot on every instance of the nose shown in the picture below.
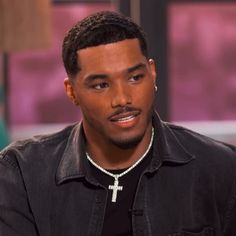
(121, 96)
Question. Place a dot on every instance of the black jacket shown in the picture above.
(189, 188)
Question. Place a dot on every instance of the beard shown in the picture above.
(120, 142)
(127, 143)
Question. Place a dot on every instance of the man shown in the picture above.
(122, 171)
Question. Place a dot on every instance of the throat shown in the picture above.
(121, 161)
(110, 156)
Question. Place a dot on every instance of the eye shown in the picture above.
(100, 86)
(136, 78)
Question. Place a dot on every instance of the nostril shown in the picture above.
(121, 98)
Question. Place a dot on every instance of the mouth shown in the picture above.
(125, 118)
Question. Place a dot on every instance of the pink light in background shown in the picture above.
(36, 77)
(202, 61)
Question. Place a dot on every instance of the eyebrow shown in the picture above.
(136, 67)
(93, 77)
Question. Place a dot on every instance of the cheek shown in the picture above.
(146, 94)
(93, 107)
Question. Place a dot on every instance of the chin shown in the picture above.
(127, 143)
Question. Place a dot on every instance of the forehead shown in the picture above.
(111, 57)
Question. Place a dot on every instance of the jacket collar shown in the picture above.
(72, 162)
(166, 149)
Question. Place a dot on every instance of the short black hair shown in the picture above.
(97, 29)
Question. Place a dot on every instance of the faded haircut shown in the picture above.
(98, 29)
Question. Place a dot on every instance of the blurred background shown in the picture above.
(192, 41)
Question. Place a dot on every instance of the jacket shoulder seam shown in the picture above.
(7, 161)
(192, 132)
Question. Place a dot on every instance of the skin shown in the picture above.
(115, 92)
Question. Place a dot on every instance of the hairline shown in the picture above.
(72, 77)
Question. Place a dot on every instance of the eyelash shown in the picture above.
(104, 85)
(137, 77)
(101, 85)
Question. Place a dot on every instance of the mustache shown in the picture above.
(125, 109)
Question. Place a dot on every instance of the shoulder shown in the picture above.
(199, 144)
(35, 147)
(213, 170)
(211, 157)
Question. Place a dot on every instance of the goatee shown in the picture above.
(127, 144)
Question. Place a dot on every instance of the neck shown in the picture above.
(110, 156)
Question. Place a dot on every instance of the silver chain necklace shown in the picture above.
(116, 187)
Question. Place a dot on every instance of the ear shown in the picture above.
(70, 91)
(153, 70)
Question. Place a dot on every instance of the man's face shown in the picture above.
(115, 92)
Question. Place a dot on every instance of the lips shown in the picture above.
(124, 117)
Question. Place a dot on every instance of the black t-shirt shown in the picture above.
(117, 221)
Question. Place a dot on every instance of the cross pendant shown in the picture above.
(115, 188)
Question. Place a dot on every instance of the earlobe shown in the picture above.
(70, 91)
